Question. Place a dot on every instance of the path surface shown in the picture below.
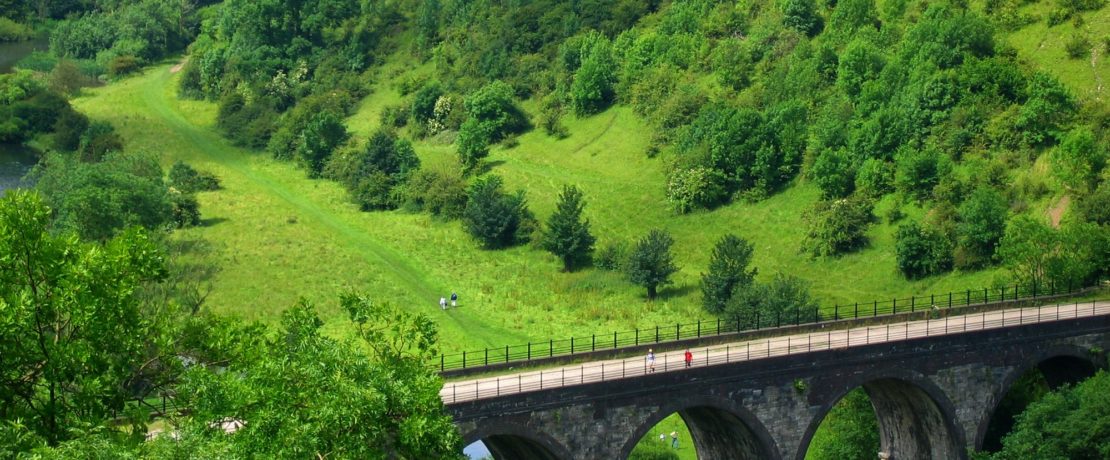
(672, 361)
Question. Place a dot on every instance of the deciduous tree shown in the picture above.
(651, 264)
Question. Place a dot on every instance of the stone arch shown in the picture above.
(916, 419)
(508, 441)
(720, 429)
(1060, 364)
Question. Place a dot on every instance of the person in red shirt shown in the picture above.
(689, 357)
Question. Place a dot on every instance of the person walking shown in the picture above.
(443, 303)
(689, 357)
(674, 440)
(454, 300)
(651, 360)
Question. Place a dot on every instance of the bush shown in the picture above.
(695, 188)
(188, 180)
(1095, 207)
(922, 251)
(11, 31)
(186, 211)
(834, 173)
(982, 221)
(784, 300)
(123, 65)
(875, 178)
(837, 226)
(612, 256)
(68, 129)
(98, 140)
(441, 192)
(395, 116)
(918, 171)
(495, 218)
(66, 78)
(1077, 45)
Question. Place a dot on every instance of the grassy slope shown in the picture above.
(267, 263)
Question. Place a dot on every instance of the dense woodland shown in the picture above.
(909, 104)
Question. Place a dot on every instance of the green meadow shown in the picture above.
(276, 236)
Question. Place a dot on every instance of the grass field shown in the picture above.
(276, 236)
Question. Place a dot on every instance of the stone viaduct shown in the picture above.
(934, 397)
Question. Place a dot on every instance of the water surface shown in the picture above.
(15, 161)
(12, 52)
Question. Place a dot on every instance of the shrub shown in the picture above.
(68, 129)
(695, 188)
(612, 256)
(834, 173)
(188, 180)
(922, 251)
(497, 219)
(875, 178)
(123, 65)
(99, 139)
(441, 192)
(424, 102)
(784, 300)
(395, 116)
(186, 211)
(1095, 207)
(1077, 45)
(837, 226)
(918, 171)
(11, 31)
(982, 221)
(66, 78)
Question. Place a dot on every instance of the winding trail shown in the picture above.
(156, 95)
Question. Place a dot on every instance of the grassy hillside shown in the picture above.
(276, 236)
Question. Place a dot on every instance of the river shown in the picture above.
(15, 161)
(12, 52)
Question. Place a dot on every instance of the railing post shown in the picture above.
(656, 333)
(593, 343)
(550, 348)
(637, 336)
(464, 359)
(699, 328)
(894, 306)
(856, 314)
(1003, 293)
(913, 303)
(676, 330)
(950, 300)
(836, 312)
(506, 353)
(572, 344)
(614, 340)
(986, 297)
(817, 314)
(968, 302)
(876, 309)
(441, 362)
(487, 356)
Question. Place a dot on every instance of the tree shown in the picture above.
(320, 137)
(495, 218)
(99, 200)
(982, 221)
(1065, 424)
(73, 337)
(834, 173)
(801, 15)
(592, 88)
(1049, 106)
(922, 251)
(651, 264)
(728, 272)
(568, 236)
(492, 115)
(837, 226)
(1025, 248)
(1078, 160)
(311, 396)
(918, 171)
(784, 300)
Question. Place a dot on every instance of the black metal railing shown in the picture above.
(722, 326)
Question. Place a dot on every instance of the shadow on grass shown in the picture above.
(676, 291)
(212, 221)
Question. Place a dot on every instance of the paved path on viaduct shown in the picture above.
(934, 384)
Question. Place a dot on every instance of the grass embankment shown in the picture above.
(277, 236)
